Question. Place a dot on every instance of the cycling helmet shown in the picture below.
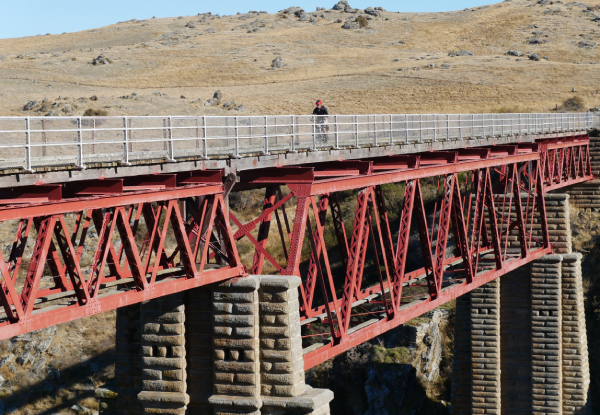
(319, 102)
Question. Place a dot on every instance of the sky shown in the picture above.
(33, 17)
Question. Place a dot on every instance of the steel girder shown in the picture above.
(93, 254)
(491, 219)
(488, 218)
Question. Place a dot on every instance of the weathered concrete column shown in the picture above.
(575, 363)
(546, 341)
(259, 367)
(163, 363)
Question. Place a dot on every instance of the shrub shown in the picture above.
(573, 104)
(362, 21)
(73, 59)
(91, 112)
(506, 110)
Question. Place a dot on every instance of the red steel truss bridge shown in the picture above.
(378, 239)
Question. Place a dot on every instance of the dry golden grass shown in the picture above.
(353, 71)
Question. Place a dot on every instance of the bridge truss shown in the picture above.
(369, 261)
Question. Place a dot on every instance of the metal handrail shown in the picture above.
(33, 142)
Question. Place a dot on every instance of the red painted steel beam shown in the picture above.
(93, 187)
(201, 177)
(410, 312)
(103, 202)
(164, 181)
(278, 175)
(52, 192)
(336, 185)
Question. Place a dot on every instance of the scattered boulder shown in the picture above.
(536, 41)
(445, 66)
(232, 106)
(461, 53)
(82, 410)
(277, 63)
(534, 57)
(30, 105)
(292, 10)
(431, 66)
(39, 366)
(190, 25)
(94, 98)
(585, 44)
(2, 57)
(514, 53)
(215, 100)
(101, 60)
(371, 11)
(350, 24)
(6, 360)
(343, 6)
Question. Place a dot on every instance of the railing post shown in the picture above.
(125, 143)
(337, 137)
(391, 129)
(356, 131)
(28, 145)
(460, 137)
(314, 134)
(406, 126)
(473, 126)
(237, 139)
(293, 147)
(447, 127)
(375, 130)
(420, 128)
(493, 129)
(520, 123)
(204, 137)
(266, 136)
(171, 155)
(434, 129)
(79, 145)
(535, 131)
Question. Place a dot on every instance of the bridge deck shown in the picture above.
(61, 149)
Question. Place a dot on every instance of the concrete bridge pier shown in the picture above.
(230, 348)
(520, 341)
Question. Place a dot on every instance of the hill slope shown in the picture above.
(353, 71)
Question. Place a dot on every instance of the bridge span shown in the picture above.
(108, 212)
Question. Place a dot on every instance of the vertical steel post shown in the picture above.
(79, 144)
(293, 147)
(447, 127)
(356, 130)
(420, 128)
(266, 136)
(204, 136)
(460, 127)
(28, 145)
(391, 129)
(473, 126)
(337, 137)
(314, 134)
(171, 155)
(434, 128)
(493, 125)
(237, 140)
(520, 123)
(375, 130)
(125, 143)
(406, 126)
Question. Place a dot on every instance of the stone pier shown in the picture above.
(225, 349)
(520, 341)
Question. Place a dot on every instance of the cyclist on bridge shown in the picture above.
(321, 113)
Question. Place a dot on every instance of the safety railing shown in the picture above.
(34, 142)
